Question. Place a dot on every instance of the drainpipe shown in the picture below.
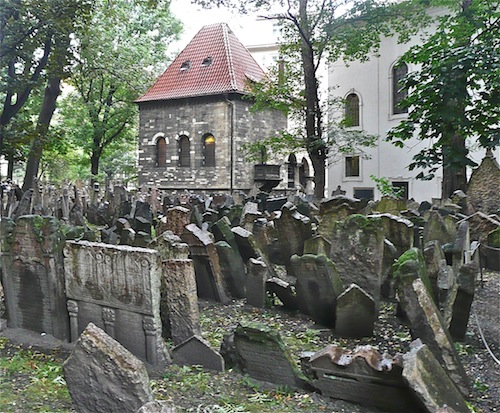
(231, 110)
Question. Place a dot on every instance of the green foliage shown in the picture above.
(455, 92)
(385, 187)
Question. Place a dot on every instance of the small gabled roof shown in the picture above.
(214, 62)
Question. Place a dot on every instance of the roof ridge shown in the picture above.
(229, 55)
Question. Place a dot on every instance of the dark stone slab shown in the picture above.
(356, 313)
(232, 268)
(197, 351)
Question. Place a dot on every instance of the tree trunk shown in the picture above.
(52, 92)
(454, 173)
(314, 142)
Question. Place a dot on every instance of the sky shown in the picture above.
(195, 17)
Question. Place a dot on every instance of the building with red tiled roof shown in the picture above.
(194, 120)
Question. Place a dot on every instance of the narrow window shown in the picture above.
(161, 152)
(209, 150)
(207, 61)
(352, 110)
(304, 172)
(292, 166)
(184, 151)
(399, 71)
(352, 166)
(363, 193)
(185, 65)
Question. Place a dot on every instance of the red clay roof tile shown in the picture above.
(191, 74)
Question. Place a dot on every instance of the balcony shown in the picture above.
(267, 176)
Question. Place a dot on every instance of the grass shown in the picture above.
(31, 381)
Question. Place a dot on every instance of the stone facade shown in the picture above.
(226, 117)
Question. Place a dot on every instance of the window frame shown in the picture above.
(184, 152)
(397, 94)
(206, 155)
(348, 106)
(347, 177)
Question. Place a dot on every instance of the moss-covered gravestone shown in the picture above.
(261, 354)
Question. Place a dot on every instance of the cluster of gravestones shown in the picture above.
(140, 285)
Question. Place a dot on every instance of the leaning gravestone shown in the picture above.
(33, 275)
(104, 377)
(466, 278)
(232, 268)
(429, 380)
(261, 354)
(118, 289)
(427, 324)
(318, 286)
(256, 283)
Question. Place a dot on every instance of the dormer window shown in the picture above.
(185, 65)
(207, 61)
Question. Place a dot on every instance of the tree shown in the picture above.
(30, 31)
(455, 93)
(119, 55)
(315, 30)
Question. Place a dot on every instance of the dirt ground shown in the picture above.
(189, 390)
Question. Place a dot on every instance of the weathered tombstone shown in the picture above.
(398, 230)
(118, 289)
(179, 299)
(171, 246)
(206, 263)
(390, 205)
(318, 286)
(462, 304)
(293, 229)
(197, 351)
(257, 276)
(249, 215)
(357, 251)
(482, 189)
(104, 377)
(33, 275)
(317, 245)
(439, 228)
(457, 252)
(433, 257)
(429, 381)
(493, 250)
(221, 230)
(275, 204)
(363, 376)
(246, 243)
(261, 354)
(175, 220)
(356, 313)
(232, 269)
(427, 324)
(335, 209)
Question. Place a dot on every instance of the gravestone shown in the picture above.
(318, 286)
(104, 377)
(493, 250)
(118, 289)
(317, 245)
(33, 275)
(284, 291)
(362, 376)
(246, 243)
(357, 251)
(433, 257)
(482, 189)
(257, 276)
(442, 229)
(175, 220)
(427, 324)
(293, 229)
(429, 381)
(179, 299)
(460, 312)
(197, 351)
(232, 269)
(249, 215)
(398, 230)
(356, 313)
(337, 208)
(261, 354)
(171, 246)
(206, 263)
(390, 205)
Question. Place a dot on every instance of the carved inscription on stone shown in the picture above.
(118, 276)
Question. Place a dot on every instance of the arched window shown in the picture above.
(292, 166)
(352, 110)
(184, 151)
(303, 172)
(399, 71)
(161, 152)
(209, 150)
